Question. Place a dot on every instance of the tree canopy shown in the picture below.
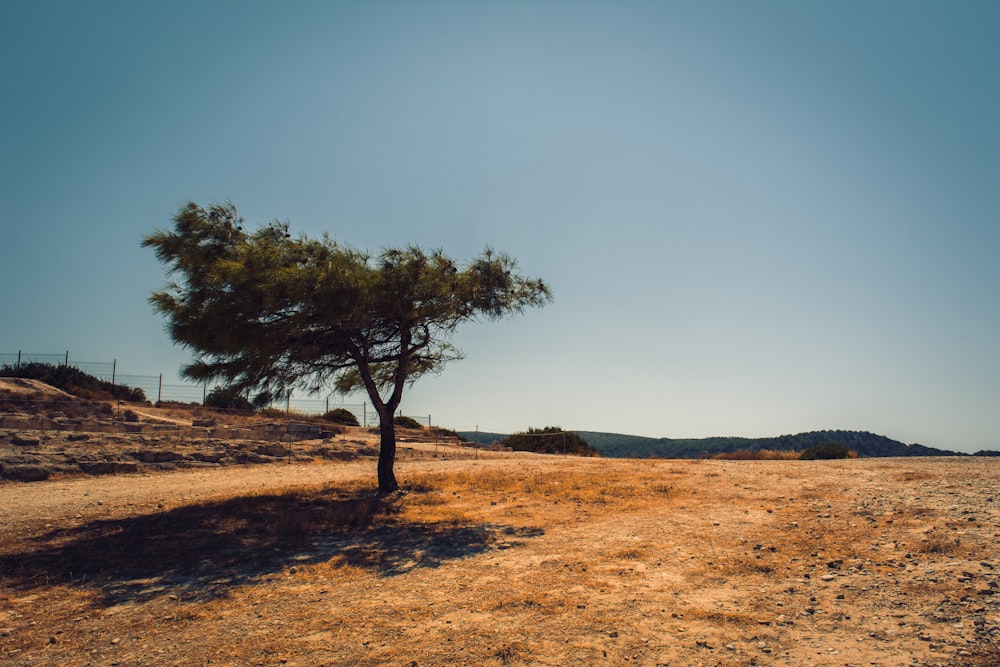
(264, 312)
(550, 440)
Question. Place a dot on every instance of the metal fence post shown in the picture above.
(159, 391)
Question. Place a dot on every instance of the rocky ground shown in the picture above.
(514, 559)
(498, 558)
(45, 433)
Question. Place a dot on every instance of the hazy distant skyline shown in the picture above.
(756, 218)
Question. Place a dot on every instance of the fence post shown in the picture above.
(204, 393)
(114, 371)
(19, 358)
(67, 359)
(159, 391)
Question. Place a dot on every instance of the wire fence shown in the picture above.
(157, 391)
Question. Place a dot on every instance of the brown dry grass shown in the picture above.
(757, 455)
(527, 560)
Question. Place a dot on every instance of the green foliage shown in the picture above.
(228, 398)
(74, 381)
(341, 416)
(549, 440)
(828, 450)
(407, 422)
(266, 312)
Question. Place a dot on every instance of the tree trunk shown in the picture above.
(387, 456)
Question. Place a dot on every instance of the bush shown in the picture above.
(74, 381)
(828, 450)
(228, 398)
(407, 422)
(549, 440)
(342, 416)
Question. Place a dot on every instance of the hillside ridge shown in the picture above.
(620, 445)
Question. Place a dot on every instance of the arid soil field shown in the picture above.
(497, 558)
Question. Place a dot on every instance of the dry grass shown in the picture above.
(757, 455)
(531, 560)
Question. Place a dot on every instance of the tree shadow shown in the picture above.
(201, 552)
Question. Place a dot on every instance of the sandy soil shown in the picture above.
(511, 560)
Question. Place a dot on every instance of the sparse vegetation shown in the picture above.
(74, 381)
(757, 455)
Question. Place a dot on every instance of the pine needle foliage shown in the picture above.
(265, 312)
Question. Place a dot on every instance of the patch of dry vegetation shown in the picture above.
(758, 455)
(529, 560)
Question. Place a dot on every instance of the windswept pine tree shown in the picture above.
(264, 312)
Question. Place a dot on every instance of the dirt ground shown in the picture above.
(493, 558)
(515, 559)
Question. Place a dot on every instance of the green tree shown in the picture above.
(550, 440)
(266, 312)
(341, 416)
(228, 398)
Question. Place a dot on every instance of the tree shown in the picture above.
(228, 398)
(265, 312)
(550, 440)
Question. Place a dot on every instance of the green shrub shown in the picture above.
(549, 440)
(407, 422)
(228, 398)
(342, 416)
(74, 381)
(828, 450)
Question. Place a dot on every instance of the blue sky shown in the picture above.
(757, 218)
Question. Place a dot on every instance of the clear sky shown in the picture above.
(757, 218)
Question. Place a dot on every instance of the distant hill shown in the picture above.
(618, 445)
